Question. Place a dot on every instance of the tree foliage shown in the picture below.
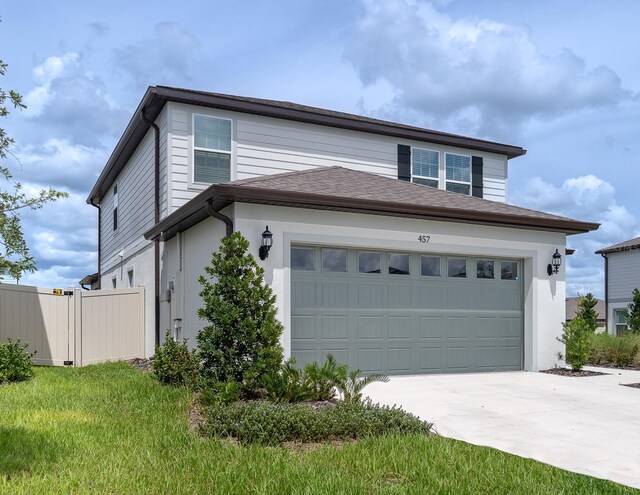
(587, 312)
(576, 336)
(15, 258)
(241, 343)
(633, 312)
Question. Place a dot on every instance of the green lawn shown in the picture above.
(111, 429)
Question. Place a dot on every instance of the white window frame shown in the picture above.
(462, 183)
(617, 311)
(195, 148)
(435, 179)
(131, 282)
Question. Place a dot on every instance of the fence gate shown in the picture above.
(74, 327)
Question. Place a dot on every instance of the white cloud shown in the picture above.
(476, 74)
(587, 198)
(171, 54)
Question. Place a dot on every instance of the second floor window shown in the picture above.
(212, 149)
(425, 165)
(458, 173)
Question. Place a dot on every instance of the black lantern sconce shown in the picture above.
(265, 244)
(554, 266)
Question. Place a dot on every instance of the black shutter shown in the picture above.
(404, 162)
(476, 176)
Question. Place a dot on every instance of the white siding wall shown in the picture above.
(544, 296)
(264, 145)
(135, 202)
(624, 275)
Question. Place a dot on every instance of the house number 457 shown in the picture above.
(424, 238)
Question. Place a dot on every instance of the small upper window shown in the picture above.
(458, 173)
(303, 258)
(398, 264)
(130, 277)
(334, 260)
(113, 282)
(457, 267)
(485, 269)
(212, 149)
(115, 207)
(369, 262)
(509, 270)
(425, 166)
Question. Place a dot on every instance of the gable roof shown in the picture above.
(571, 304)
(630, 245)
(341, 189)
(156, 97)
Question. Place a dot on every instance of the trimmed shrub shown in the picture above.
(576, 338)
(269, 423)
(241, 342)
(616, 350)
(175, 364)
(15, 362)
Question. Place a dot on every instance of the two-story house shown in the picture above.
(392, 246)
(621, 277)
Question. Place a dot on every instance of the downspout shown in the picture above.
(606, 290)
(99, 243)
(156, 249)
(216, 214)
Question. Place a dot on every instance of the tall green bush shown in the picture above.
(576, 338)
(586, 310)
(241, 342)
(633, 312)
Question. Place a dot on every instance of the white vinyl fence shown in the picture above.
(74, 327)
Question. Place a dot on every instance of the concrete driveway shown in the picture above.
(589, 425)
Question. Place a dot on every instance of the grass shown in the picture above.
(110, 429)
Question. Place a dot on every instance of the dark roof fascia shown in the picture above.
(619, 249)
(156, 97)
(224, 194)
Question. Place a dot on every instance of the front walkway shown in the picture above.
(589, 425)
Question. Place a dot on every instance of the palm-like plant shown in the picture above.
(323, 380)
(353, 384)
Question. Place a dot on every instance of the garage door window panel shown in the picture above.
(303, 259)
(369, 262)
(398, 264)
(457, 267)
(430, 266)
(334, 260)
(485, 269)
(509, 270)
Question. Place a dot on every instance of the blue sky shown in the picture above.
(558, 78)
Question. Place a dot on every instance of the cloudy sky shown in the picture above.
(560, 79)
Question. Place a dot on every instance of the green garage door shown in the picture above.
(406, 313)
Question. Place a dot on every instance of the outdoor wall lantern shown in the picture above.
(265, 244)
(554, 266)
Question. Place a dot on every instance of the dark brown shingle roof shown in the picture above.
(630, 245)
(156, 97)
(341, 189)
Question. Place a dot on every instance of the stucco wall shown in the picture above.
(544, 296)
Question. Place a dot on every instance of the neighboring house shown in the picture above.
(393, 247)
(572, 307)
(621, 276)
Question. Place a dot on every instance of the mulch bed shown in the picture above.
(143, 364)
(632, 385)
(630, 367)
(570, 372)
